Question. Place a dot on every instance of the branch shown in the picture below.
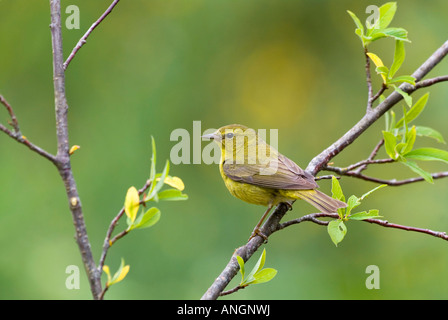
(430, 82)
(63, 157)
(108, 242)
(316, 164)
(83, 40)
(392, 182)
(369, 118)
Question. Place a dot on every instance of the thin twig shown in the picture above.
(224, 293)
(14, 122)
(371, 156)
(391, 182)
(430, 82)
(83, 40)
(23, 140)
(107, 240)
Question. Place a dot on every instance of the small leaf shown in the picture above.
(387, 12)
(400, 79)
(414, 167)
(241, 263)
(131, 203)
(415, 111)
(360, 28)
(172, 195)
(156, 186)
(410, 140)
(336, 189)
(175, 182)
(399, 56)
(430, 133)
(148, 219)
(381, 69)
(107, 272)
(258, 266)
(390, 141)
(120, 274)
(396, 33)
(428, 154)
(372, 214)
(337, 231)
(264, 275)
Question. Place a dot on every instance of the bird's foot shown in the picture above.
(257, 232)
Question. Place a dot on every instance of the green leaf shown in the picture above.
(430, 133)
(264, 275)
(241, 263)
(399, 55)
(258, 266)
(390, 121)
(410, 140)
(131, 203)
(415, 110)
(172, 195)
(352, 203)
(428, 154)
(157, 185)
(407, 98)
(401, 79)
(118, 276)
(396, 33)
(390, 141)
(360, 28)
(387, 12)
(148, 219)
(336, 189)
(414, 167)
(372, 214)
(337, 231)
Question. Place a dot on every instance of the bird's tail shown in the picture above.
(321, 201)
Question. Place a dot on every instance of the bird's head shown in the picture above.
(238, 143)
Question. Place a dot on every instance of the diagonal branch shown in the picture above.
(316, 165)
(83, 40)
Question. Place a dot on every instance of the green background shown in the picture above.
(157, 65)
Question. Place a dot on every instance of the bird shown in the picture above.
(257, 173)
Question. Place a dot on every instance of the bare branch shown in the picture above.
(430, 82)
(63, 157)
(83, 40)
(391, 182)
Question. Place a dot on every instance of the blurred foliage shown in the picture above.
(154, 66)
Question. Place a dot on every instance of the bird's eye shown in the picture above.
(229, 135)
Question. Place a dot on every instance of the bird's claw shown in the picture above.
(257, 232)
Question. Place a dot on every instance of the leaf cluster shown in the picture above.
(337, 228)
(399, 139)
(257, 274)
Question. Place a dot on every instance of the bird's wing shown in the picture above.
(281, 173)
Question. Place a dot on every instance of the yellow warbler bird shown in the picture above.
(257, 173)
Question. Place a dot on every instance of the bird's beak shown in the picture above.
(211, 136)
